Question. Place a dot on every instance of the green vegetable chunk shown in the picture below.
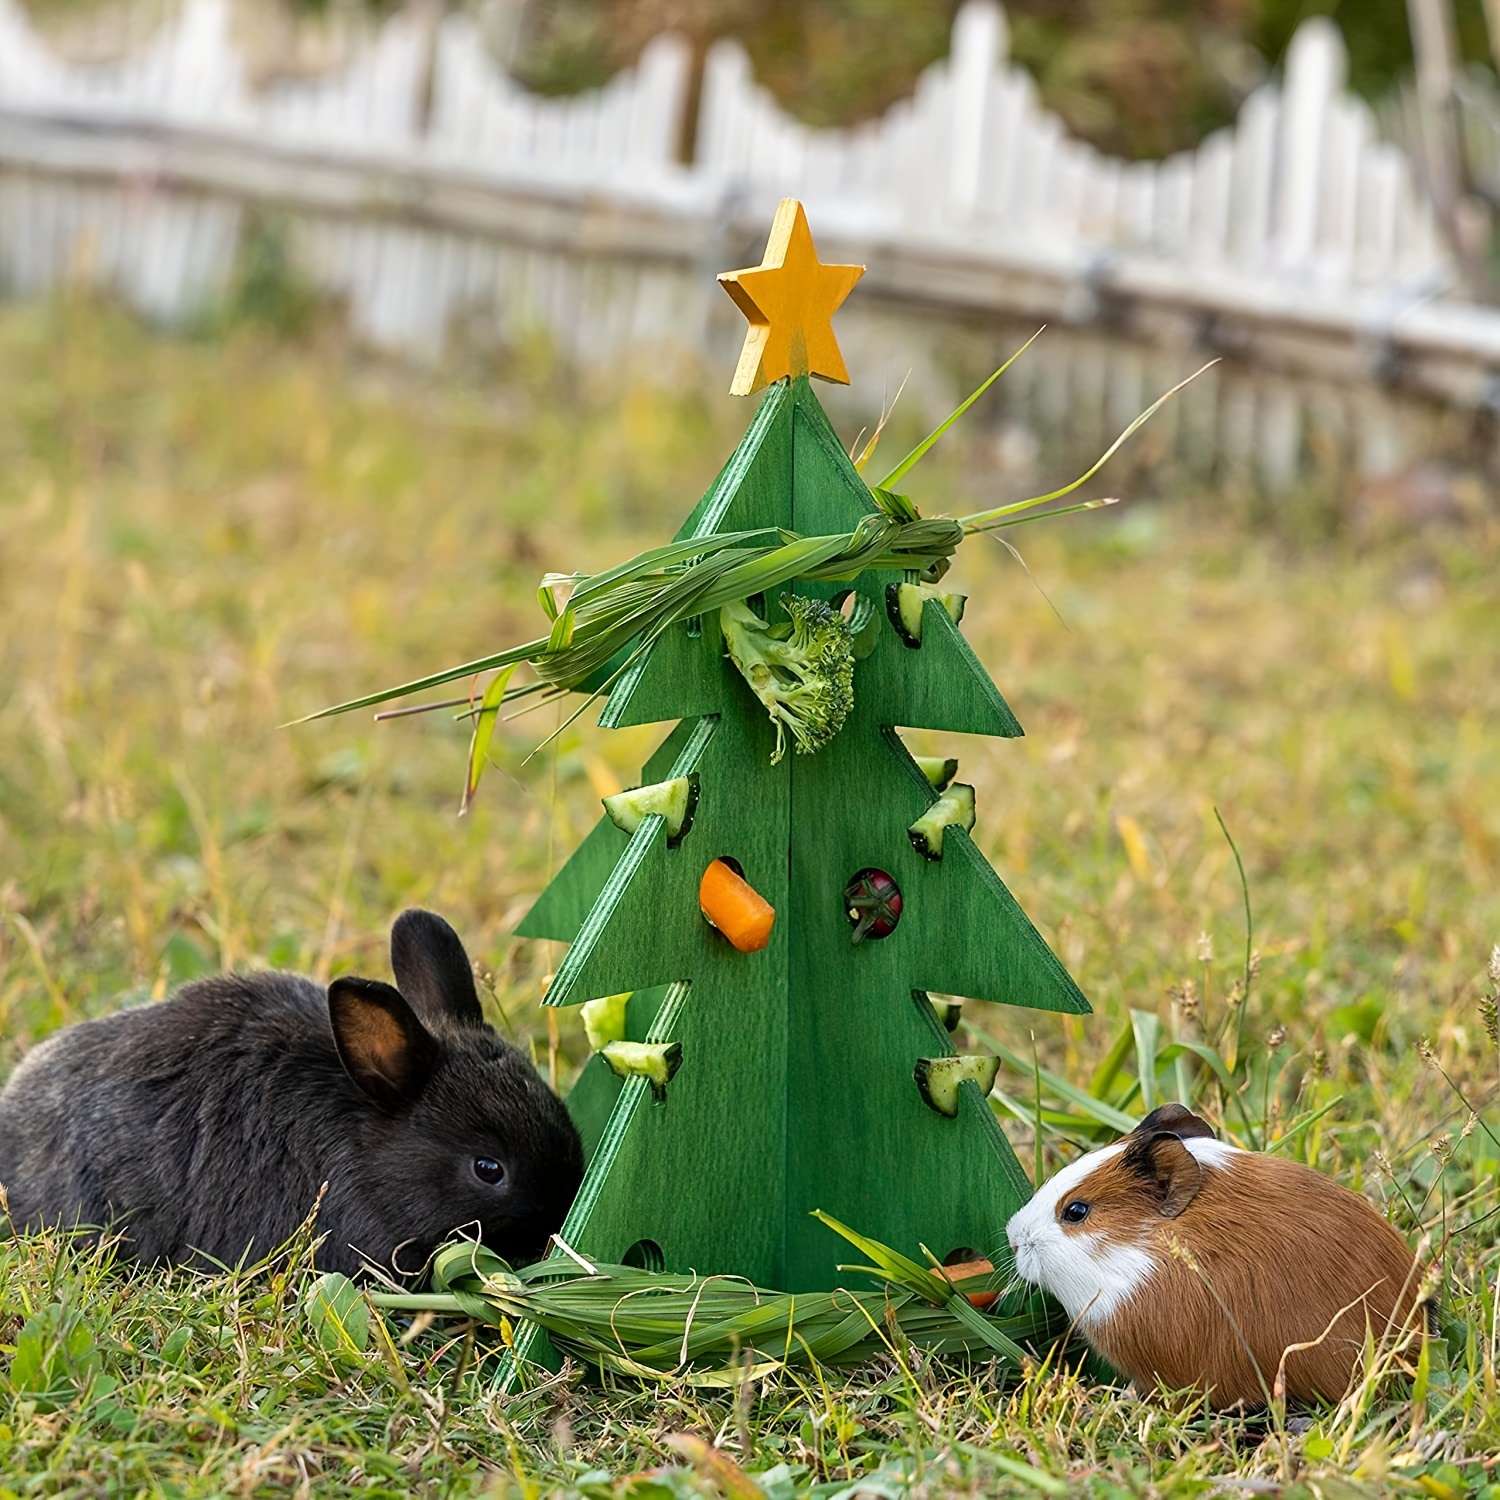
(656, 1061)
(937, 770)
(604, 1020)
(938, 1078)
(675, 800)
(954, 809)
(803, 672)
(904, 603)
(949, 1012)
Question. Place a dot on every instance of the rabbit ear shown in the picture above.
(383, 1046)
(432, 970)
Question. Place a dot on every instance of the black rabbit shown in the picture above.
(203, 1127)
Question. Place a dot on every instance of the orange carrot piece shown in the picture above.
(967, 1268)
(741, 913)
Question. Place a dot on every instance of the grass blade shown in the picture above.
(986, 1329)
(982, 520)
(1301, 1126)
(891, 1264)
(921, 450)
(868, 451)
(513, 656)
(669, 555)
(1146, 1028)
(484, 729)
(1225, 1077)
(1060, 1088)
(1108, 1070)
(1239, 864)
(1062, 1127)
(1047, 515)
(1039, 1171)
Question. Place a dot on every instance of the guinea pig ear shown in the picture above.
(433, 971)
(1175, 1119)
(383, 1046)
(1171, 1171)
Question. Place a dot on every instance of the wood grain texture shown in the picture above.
(796, 1088)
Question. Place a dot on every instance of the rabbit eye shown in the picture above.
(488, 1170)
(1076, 1212)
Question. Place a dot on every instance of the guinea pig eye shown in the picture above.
(488, 1170)
(1076, 1212)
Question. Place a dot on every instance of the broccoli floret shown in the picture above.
(803, 671)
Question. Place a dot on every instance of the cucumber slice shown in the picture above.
(954, 809)
(864, 626)
(675, 800)
(937, 770)
(604, 1020)
(904, 603)
(949, 1012)
(657, 1062)
(938, 1078)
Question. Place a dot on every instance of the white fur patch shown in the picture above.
(1211, 1153)
(1091, 1276)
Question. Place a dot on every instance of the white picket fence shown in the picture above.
(423, 186)
(1301, 188)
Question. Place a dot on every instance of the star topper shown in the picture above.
(790, 299)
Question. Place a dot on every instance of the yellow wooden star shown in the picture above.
(790, 299)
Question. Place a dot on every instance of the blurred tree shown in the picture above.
(1141, 78)
(831, 61)
(1377, 33)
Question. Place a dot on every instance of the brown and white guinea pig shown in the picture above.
(1187, 1261)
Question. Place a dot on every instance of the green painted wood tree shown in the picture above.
(796, 1088)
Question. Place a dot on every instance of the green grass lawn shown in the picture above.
(202, 540)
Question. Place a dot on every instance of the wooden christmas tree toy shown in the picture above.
(755, 932)
(795, 1082)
